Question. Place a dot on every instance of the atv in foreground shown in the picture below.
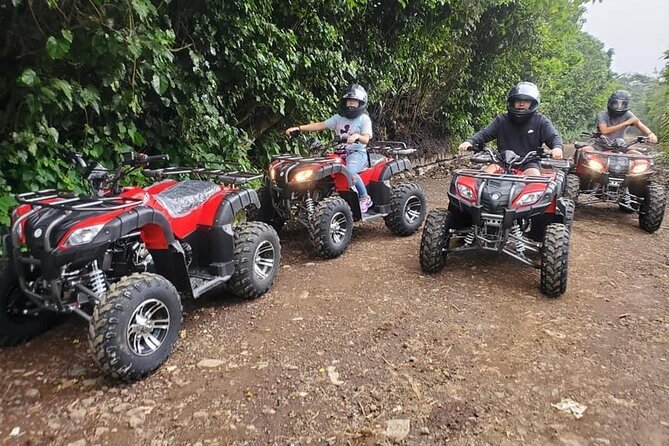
(522, 216)
(318, 192)
(70, 254)
(613, 175)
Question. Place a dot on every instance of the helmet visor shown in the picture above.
(618, 104)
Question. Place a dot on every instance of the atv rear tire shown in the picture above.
(436, 237)
(651, 211)
(572, 187)
(257, 258)
(135, 326)
(331, 227)
(407, 209)
(555, 260)
(16, 327)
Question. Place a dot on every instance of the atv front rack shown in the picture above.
(303, 159)
(479, 174)
(233, 177)
(68, 201)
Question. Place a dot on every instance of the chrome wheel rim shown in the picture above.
(264, 259)
(412, 209)
(338, 228)
(148, 327)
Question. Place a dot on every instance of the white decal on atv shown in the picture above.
(530, 131)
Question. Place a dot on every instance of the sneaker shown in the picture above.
(365, 203)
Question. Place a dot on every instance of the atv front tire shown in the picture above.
(17, 327)
(572, 187)
(436, 237)
(257, 258)
(407, 211)
(651, 211)
(135, 326)
(555, 260)
(331, 227)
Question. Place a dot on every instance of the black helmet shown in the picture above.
(619, 103)
(527, 91)
(355, 91)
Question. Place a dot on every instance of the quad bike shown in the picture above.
(613, 175)
(70, 254)
(318, 192)
(525, 217)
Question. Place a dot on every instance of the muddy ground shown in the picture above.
(360, 349)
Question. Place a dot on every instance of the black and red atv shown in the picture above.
(122, 260)
(610, 174)
(525, 217)
(318, 192)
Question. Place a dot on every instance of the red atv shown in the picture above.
(318, 192)
(613, 175)
(79, 254)
(525, 217)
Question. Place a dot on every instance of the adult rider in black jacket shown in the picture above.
(522, 129)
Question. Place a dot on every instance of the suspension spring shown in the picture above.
(471, 235)
(96, 279)
(517, 234)
(309, 202)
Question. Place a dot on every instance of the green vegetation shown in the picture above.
(214, 81)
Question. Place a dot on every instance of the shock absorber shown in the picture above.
(517, 234)
(471, 235)
(309, 203)
(96, 279)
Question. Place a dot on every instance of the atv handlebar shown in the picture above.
(143, 159)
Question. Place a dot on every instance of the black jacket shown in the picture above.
(523, 137)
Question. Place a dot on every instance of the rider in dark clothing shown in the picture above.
(522, 129)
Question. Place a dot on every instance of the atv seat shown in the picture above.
(375, 158)
(185, 196)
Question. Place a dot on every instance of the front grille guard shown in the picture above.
(68, 204)
(498, 240)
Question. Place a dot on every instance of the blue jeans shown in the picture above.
(357, 161)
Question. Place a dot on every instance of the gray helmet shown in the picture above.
(355, 91)
(619, 103)
(527, 91)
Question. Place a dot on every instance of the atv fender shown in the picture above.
(561, 209)
(394, 167)
(222, 236)
(167, 253)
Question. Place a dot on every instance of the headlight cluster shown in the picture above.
(82, 236)
(529, 198)
(639, 166)
(465, 192)
(596, 164)
(303, 175)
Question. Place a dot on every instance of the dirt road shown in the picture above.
(359, 349)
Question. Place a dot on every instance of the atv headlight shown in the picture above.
(465, 192)
(529, 198)
(303, 175)
(82, 236)
(639, 166)
(596, 165)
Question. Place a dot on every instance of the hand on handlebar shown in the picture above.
(556, 153)
(652, 138)
(464, 147)
(353, 138)
(293, 132)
